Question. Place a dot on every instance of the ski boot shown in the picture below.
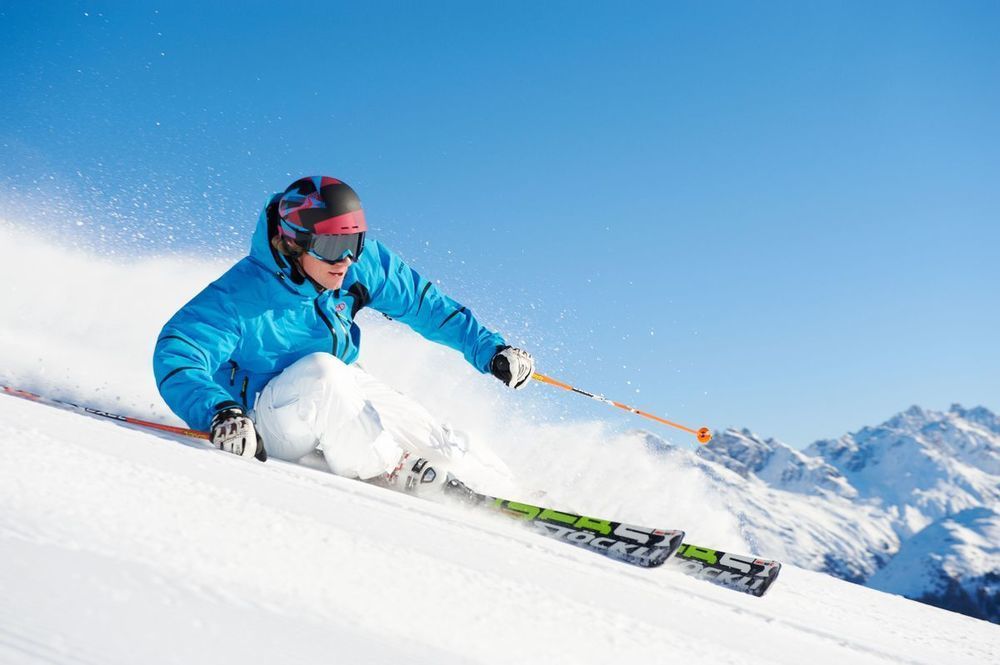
(422, 477)
(414, 475)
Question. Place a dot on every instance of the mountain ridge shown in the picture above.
(917, 472)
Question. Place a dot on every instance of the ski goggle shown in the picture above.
(333, 248)
(326, 247)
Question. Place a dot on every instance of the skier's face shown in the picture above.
(327, 275)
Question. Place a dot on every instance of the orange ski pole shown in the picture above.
(703, 434)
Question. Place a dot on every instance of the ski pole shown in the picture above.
(703, 434)
(24, 394)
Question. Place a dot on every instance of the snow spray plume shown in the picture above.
(703, 434)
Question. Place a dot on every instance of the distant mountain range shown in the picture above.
(911, 506)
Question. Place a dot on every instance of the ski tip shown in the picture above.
(769, 578)
(747, 574)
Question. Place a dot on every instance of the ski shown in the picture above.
(636, 545)
(748, 574)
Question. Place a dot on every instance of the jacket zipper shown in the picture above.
(326, 320)
(347, 329)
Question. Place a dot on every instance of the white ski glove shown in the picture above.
(233, 432)
(513, 366)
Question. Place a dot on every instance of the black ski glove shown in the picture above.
(512, 366)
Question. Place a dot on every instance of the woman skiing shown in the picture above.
(262, 357)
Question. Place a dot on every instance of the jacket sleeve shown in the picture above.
(192, 346)
(399, 292)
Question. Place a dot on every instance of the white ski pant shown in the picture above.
(362, 425)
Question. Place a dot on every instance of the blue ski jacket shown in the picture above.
(243, 329)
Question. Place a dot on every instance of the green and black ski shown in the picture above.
(636, 545)
(748, 574)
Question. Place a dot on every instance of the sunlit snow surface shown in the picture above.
(121, 547)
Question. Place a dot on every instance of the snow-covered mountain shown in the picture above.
(817, 529)
(922, 465)
(776, 464)
(925, 475)
(953, 563)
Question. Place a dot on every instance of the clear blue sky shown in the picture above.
(777, 215)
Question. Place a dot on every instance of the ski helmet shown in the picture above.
(323, 215)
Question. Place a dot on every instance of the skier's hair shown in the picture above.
(285, 251)
(281, 244)
(285, 247)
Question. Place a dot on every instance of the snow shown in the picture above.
(119, 546)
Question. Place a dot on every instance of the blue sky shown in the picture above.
(775, 215)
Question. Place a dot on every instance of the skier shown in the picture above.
(262, 357)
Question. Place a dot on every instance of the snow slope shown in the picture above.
(119, 546)
(122, 547)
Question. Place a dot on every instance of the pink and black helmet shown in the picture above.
(323, 215)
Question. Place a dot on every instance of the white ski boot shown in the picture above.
(415, 475)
